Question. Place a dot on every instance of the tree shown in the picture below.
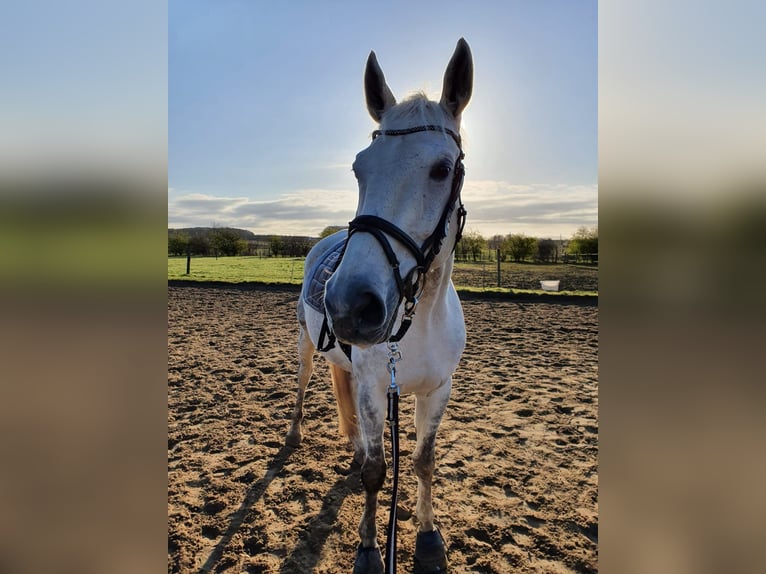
(199, 244)
(584, 244)
(495, 242)
(546, 250)
(178, 243)
(226, 241)
(276, 245)
(471, 244)
(294, 246)
(518, 246)
(330, 229)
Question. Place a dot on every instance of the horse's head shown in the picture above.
(409, 210)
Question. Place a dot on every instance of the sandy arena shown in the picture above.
(516, 480)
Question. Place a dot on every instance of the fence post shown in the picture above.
(498, 266)
(188, 261)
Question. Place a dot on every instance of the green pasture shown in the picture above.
(238, 269)
(470, 278)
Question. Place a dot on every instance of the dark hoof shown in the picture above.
(294, 439)
(430, 553)
(368, 561)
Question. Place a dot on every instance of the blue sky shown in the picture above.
(266, 110)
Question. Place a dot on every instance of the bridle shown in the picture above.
(411, 286)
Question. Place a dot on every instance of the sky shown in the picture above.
(266, 108)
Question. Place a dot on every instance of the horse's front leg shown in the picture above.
(430, 553)
(305, 368)
(372, 404)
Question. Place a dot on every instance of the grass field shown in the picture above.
(468, 277)
(238, 269)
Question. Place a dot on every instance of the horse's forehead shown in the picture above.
(417, 110)
(405, 151)
(409, 114)
(426, 144)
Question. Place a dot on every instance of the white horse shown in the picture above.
(397, 255)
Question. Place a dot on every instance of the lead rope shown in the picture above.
(394, 356)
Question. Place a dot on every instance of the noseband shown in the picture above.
(411, 286)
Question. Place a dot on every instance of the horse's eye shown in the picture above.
(440, 171)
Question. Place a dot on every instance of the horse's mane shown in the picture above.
(418, 106)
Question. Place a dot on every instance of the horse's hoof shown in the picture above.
(430, 553)
(368, 561)
(293, 439)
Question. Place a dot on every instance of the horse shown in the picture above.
(363, 284)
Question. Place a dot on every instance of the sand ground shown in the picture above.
(516, 482)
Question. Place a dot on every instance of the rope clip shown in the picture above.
(394, 356)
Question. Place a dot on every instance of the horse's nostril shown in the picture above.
(370, 309)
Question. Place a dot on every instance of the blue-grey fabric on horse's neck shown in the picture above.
(319, 275)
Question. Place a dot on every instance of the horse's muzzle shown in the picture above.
(359, 314)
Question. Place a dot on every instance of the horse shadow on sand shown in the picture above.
(305, 556)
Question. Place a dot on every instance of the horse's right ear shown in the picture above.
(376, 91)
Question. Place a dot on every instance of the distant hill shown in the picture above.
(204, 231)
(241, 233)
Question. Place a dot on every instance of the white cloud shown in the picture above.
(539, 210)
(494, 207)
(304, 212)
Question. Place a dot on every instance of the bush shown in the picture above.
(178, 243)
(225, 241)
(518, 246)
(584, 244)
(330, 229)
(546, 251)
(472, 245)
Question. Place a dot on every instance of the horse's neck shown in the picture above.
(437, 284)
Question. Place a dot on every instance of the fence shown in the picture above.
(512, 275)
(556, 256)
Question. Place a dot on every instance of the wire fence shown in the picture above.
(575, 275)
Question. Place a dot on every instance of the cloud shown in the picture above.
(539, 210)
(304, 212)
(494, 207)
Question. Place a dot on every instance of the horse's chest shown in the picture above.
(418, 371)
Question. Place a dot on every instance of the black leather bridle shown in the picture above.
(411, 286)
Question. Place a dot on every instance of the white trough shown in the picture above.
(549, 285)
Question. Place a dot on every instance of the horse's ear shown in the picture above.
(458, 79)
(377, 93)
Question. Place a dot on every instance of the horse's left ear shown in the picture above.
(458, 79)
